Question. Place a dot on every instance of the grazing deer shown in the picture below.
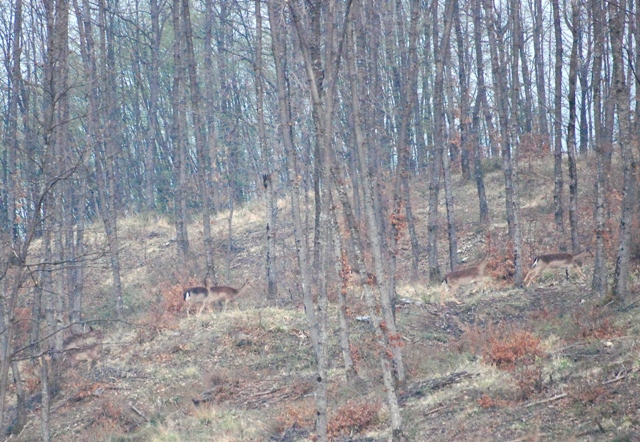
(455, 279)
(83, 347)
(352, 277)
(564, 261)
(81, 340)
(194, 295)
(226, 294)
(90, 354)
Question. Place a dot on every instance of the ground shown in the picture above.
(550, 362)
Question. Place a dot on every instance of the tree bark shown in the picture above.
(271, 207)
(622, 97)
(557, 127)
(200, 132)
(179, 135)
(541, 90)
(461, 50)
(510, 180)
(571, 129)
(476, 122)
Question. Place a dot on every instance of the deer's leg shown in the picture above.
(531, 276)
(579, 272)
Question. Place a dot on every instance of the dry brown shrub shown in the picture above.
(593, 323)
(588, 392)
(506, 350)
(486, 401)
(353, 417)
(300, 414)
(517, 351)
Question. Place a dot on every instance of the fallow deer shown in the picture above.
(457, 278)
(90, 354)
(83, 347)
(194, 295)
(81, 340)
(226, 294)
(564, 261)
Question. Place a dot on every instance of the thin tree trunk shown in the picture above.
(178, 136)
(210, 97)
(541, 91)
(557, 127)
(381, 333)
(271, 207)
(200, 132)
(152, 130)
(511, 190)
(622, 97)
(46, 400)
(441, 59)
(571, 130)
(461, 50)
(343, 319)
(21, 405)
(476, 123)
(279, 51)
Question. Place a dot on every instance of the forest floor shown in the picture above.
(546, 363)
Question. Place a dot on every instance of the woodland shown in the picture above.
(344, 156)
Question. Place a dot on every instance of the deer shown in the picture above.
(194, 295)
(91, 354)
(83, 347)
(564, 261)
(226, 294)
(453, 280)
(80, 340)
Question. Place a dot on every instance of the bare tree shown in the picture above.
(271, 208)
(178, 133)
(511, 190)
(481, 100)
(200, 133)
(538, 56)
(575, 28)
(557, 125)
(599, 281)
(617, 21)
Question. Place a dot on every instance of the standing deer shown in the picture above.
(194, 295)
(564, 261)
(455, 279)
(90, 354)
(226, 294)
(83, 347)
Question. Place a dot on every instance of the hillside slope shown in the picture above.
(544, 363)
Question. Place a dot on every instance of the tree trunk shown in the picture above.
(279, 51)
(46, 399)
(622, 97)
(557, 128)
(476, 122)
(152, 130)
(200, 132)
(382, 334)
(571, 130)
(510, 180)
(271, 207)
(179, 136)
(340, 259)
(538, 56)
(464, 94)
(441, 59)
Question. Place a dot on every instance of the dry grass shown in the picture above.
(476, 372)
